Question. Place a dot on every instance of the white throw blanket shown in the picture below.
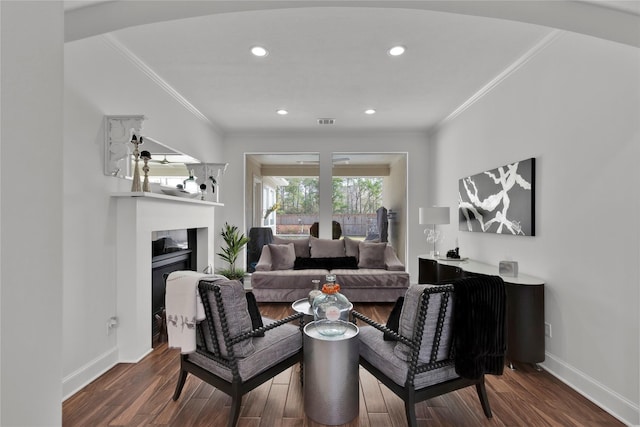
(184, 308)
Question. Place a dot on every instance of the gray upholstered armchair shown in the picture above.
(230, 354)
(442, 344)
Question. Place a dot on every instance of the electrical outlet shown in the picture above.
(547, 330)
(112, 322)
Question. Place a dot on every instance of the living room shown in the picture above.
(571, 102)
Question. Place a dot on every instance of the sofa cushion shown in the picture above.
(301, 246)
(371, 255)
(347, 262)
(351, 247)
(381, 354)
(282, 256)
(277, 344)
(325, 248)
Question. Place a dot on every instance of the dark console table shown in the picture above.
(525, 303)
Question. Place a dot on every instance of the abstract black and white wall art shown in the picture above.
(500, 200)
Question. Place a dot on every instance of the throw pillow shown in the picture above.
(408, 318)
(238, 319)
(325, 248)
(301, 246)
(254, 312)
(351, 247)
(282, 256)
(325, 263)
(393, 322)
(371, 255)
(311, 264)
(344, 262)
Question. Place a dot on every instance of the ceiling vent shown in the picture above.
(326, 121)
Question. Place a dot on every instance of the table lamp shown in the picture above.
(433, 216)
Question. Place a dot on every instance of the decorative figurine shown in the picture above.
(203, 191)
(145, 156)
(213, 184)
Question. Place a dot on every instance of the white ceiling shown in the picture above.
(323, 62)
(329, 62)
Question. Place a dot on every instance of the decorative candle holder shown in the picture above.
(135, 185)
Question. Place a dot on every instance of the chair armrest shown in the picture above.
(391, 260)
(382, 328)
(263, 329)
(264, 263)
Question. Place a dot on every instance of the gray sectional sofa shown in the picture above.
(366, 271)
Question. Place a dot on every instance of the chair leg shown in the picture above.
(302, 372)
(484, 400)
(181, 380)
(410, 409)
(234, 414)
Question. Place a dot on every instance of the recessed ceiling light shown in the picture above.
(259, 51)
(282, 112)
(370, 111)
(397, 50)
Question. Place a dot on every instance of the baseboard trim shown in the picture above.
(615, 404)
(80, 378)
(145, 354)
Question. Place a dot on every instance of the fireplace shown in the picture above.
(138, 216)
(171, 250)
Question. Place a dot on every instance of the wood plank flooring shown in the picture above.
(140, 395)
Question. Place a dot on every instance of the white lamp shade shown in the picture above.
(434, 215)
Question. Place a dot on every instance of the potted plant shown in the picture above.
(235, 241)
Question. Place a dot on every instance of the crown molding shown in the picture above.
(116, 45)
(542, 44)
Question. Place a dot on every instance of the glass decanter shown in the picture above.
(331, 309)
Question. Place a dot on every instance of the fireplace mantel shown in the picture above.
(165, 197)
(138, 215)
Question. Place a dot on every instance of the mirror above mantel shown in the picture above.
(170, 171)
(118, 160)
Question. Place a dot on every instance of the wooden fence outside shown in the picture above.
(352, 224)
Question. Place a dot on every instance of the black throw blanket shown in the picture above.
(479, 325)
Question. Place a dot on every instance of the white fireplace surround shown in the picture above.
(138, 215)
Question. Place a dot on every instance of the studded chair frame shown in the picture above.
(208, 346)
(407, 391)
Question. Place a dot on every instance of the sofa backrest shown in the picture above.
(328, 254)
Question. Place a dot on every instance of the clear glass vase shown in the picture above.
(331, 309)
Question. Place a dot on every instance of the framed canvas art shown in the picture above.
(500, 200)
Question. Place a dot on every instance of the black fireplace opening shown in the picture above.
(171, 250)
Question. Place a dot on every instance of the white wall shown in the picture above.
(88, 242)
(326, 143)
(31, 35)
(88, 247)
(575, 107)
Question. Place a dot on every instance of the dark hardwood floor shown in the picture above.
(140, 395)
